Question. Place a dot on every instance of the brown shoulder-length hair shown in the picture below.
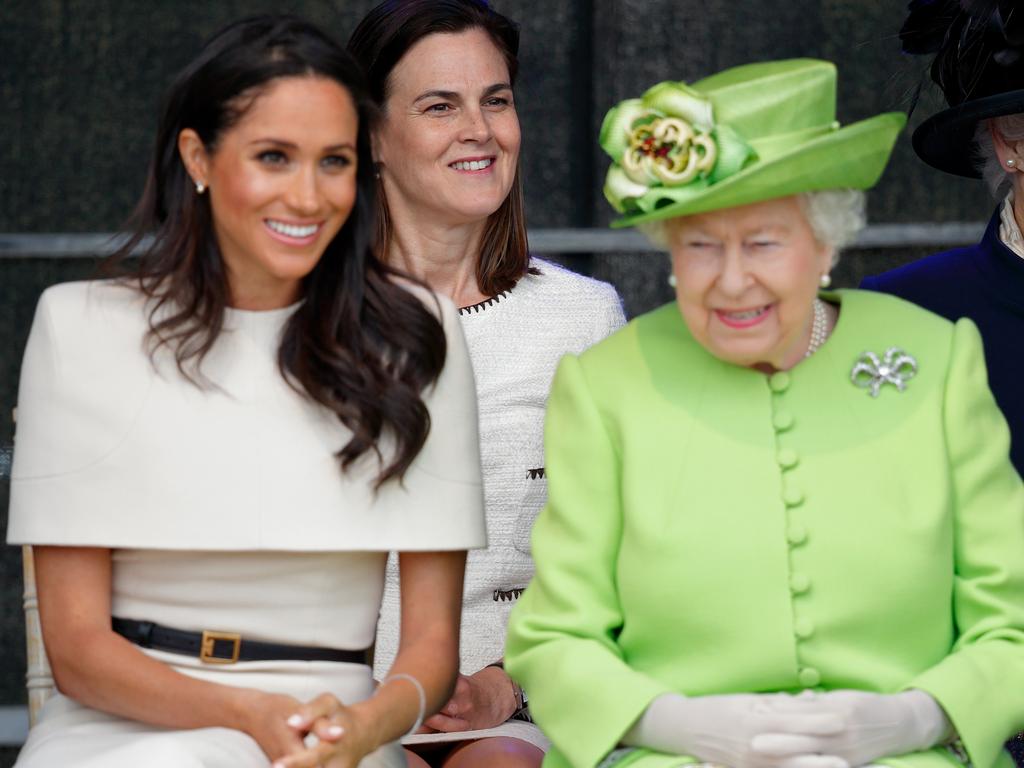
(358, 344)
(380, 41)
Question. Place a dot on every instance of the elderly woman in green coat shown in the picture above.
(783, 530)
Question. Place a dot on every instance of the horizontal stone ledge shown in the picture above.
(554, 241)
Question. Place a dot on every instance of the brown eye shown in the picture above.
(272, 157)
(336, 161)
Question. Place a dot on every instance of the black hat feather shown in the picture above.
(978, 50)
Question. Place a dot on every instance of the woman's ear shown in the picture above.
(828, 258)
(194, 156)
(378, 148)
(1004, 151)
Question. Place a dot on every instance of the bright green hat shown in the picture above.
(747, 134)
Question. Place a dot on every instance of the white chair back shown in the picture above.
(38, 677)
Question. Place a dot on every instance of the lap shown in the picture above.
(73, 736)
(493, 751)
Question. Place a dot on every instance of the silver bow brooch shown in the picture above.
(896, 367)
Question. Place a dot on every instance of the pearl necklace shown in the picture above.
(819, 328)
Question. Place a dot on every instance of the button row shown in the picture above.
(796, 534)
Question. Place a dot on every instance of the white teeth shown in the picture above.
(472, 165)
(291, 230)
(750, 313)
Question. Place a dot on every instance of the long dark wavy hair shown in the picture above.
(380, 41)
(359, 344)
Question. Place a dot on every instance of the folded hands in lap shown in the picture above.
(340, 740)
(482, 700)
(838, 729)
(874, 726)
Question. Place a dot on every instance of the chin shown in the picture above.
(476, 207)
(742, 356)
(293, 267)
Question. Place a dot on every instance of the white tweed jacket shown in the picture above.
(515, 342)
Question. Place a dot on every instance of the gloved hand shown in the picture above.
(874, 725)
(722, 729)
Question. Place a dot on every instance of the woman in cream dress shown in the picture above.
(215, 455)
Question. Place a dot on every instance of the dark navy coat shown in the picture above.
(984, 282)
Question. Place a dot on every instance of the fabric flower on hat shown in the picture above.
(666, 147)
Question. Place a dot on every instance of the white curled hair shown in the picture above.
(834, 215)
(1011, 128)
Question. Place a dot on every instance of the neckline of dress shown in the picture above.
(260, 317)
(480, 306)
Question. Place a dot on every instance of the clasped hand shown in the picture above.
(481, 700)
(340, 742)
(872, 726)
(838, 729)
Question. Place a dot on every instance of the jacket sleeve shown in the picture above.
(562, 634)
(980, 684)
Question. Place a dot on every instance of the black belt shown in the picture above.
(226, 647)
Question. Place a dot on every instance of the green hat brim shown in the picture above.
(851, 157)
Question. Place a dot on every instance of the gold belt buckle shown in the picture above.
(209, 643)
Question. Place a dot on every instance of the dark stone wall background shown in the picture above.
(80, 82)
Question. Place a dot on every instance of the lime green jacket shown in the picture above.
(711, 529)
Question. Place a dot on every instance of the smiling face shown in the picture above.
(282, 182)
(448, 145)
(746, 279)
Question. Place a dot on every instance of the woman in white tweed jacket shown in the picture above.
(447, 152)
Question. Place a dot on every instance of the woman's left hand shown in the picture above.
(342, 739)
(876, 725)
(482, 700)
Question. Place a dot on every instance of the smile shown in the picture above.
(292, 230)
(743, 318)
(472, 165)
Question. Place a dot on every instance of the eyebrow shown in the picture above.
(453, 95)
(769, 229)
(293, 145)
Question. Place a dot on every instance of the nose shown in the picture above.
(474, 126)
(303, 195)
(734, 278)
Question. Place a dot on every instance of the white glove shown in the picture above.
(722, 729)
(875, 725)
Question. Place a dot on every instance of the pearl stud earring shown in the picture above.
(1011, 163)
(672, 280)
(825, 281)
(200, 187)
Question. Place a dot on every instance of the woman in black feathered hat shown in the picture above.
(978, 47)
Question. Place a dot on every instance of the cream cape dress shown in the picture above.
(224, 505)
